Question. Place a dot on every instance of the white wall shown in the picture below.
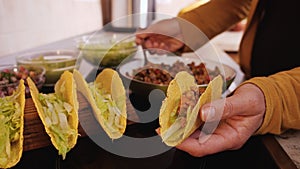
(25, 24)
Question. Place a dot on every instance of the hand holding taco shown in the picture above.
(178, 117)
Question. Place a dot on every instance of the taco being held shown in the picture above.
(58, 112)
(12, 127)
(107, 98)
(178, 116)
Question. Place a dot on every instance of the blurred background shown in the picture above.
(31, 23)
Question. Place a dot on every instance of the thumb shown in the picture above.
(220, 109)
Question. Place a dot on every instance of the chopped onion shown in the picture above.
(117, 122)
(68, 107)
(172, 129)
(63, 121)
(48, 122)
(54, 118)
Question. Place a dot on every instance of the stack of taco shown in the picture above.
(107, 98)
(178, 116)
(58, 112)
(11, 127)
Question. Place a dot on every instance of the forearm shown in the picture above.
(211, 19)
(282, 96)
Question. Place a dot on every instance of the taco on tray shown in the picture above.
(11, 127)
(178, 116)
(107, 98)
(58, 112)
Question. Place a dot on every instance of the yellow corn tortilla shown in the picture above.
(16, 148)
(109, 82)
(182, 82)
(65, 89)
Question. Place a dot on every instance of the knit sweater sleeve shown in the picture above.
(282, 97)
(204, 22)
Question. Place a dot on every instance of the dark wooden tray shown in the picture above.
(259, 152)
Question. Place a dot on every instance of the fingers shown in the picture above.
(158, 43)
(141, 35)
(247, 100)
(157, 131)
(242, 113)
(222, 109)
(140, 38)
(210, 144)
(154, 47)
(214, 144)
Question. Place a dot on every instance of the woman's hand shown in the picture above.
(161, 37)
(241, 115)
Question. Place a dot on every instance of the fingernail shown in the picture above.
(208, 113)
(157, 131)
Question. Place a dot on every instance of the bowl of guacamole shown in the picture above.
(107, 50)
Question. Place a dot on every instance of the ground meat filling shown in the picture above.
(188, 101)
(162, 74)
(178, 117)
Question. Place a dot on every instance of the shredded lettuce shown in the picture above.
(174, 112)
(176, 130)
(10, 123)
(108, 108)
(56, 114)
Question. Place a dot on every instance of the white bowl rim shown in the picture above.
(68, 54)
(231, 73)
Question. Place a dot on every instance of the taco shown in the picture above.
(107, 98)
(11, 127)
(178, 116)
(58, 112)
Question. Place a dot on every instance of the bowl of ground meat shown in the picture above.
(141, 79)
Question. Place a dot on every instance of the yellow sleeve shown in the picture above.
(282, 96)
(211, 19)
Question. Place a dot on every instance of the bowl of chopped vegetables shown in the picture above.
(55, 63)
(10, 75)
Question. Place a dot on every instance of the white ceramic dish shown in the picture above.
(141, 87)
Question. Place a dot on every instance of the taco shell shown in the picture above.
(11, 147)
(58, 112)
(107, 98)
(172, 132)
